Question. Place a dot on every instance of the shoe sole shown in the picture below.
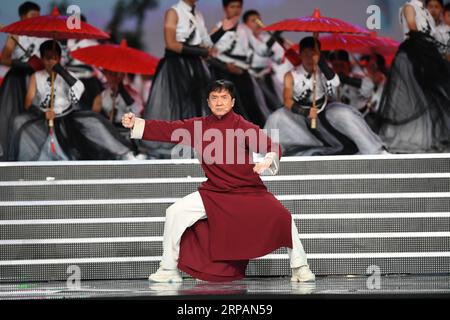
(298, 280)
(166, 281)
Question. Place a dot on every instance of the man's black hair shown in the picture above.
(225, 3)
(340, 55)
(440, 1)
(309, 43)
(50, 45)
(28, 6)
(447, 7)
(248, 14)
(220, 85)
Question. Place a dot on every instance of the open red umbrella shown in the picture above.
(118, 58)
(357, 43)
(56, 27)
(316, 24)
(53, 26)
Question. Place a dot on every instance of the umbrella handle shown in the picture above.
(52, 99)
(113, 109)
(313, 111)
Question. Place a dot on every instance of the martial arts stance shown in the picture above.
(211, 234)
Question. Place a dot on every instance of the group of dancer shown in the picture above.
(364, 108)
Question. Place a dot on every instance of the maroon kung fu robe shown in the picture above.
(244, 221)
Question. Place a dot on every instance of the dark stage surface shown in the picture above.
(432, 286)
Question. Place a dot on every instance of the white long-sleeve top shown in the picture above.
(303, 84)
(191, 28)
(64, 96)
(30, 44)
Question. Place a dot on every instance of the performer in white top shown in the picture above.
(414, 108)
(356, 88)
(182, 75)
(236, 50)
(267, 62)
(117, 99)
(81, 135)
(21, 54)
(340, 127)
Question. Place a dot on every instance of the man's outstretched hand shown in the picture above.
(259, 168)
(128, 120)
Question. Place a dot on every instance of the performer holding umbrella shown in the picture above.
(341, 129)
(117, 61)
(21, 53)
(82, 135)
(316, 24)
(178, 88)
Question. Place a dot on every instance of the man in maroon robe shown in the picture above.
(213, 233)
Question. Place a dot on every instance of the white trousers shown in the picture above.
(186, 212)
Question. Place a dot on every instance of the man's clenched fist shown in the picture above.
(128, 120)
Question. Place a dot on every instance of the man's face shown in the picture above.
(447, 18)
(49, 59)
(233, 9)
(220, 102)
(435, 9)
(253, 25)
(30, 14)
(307, 56)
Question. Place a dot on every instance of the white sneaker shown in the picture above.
(129, 156)
(162, 275)
(141, 156)
(302, 274)
(384, 151)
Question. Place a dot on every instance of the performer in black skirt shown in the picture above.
(80, 135)
(264, 61)
(21, 54)
(233, 62)
(179, 86)
(341, 128)
(415, 107)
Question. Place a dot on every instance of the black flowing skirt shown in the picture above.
(12, 101)
(79, 135)
(270, 94)
(179, 91)
(246, 101)
(415, 107)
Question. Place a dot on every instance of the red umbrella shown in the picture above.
(317, 24)
(53, 26)
(357, 43)
(118, 58)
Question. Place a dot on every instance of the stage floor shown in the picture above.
(258, 288)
